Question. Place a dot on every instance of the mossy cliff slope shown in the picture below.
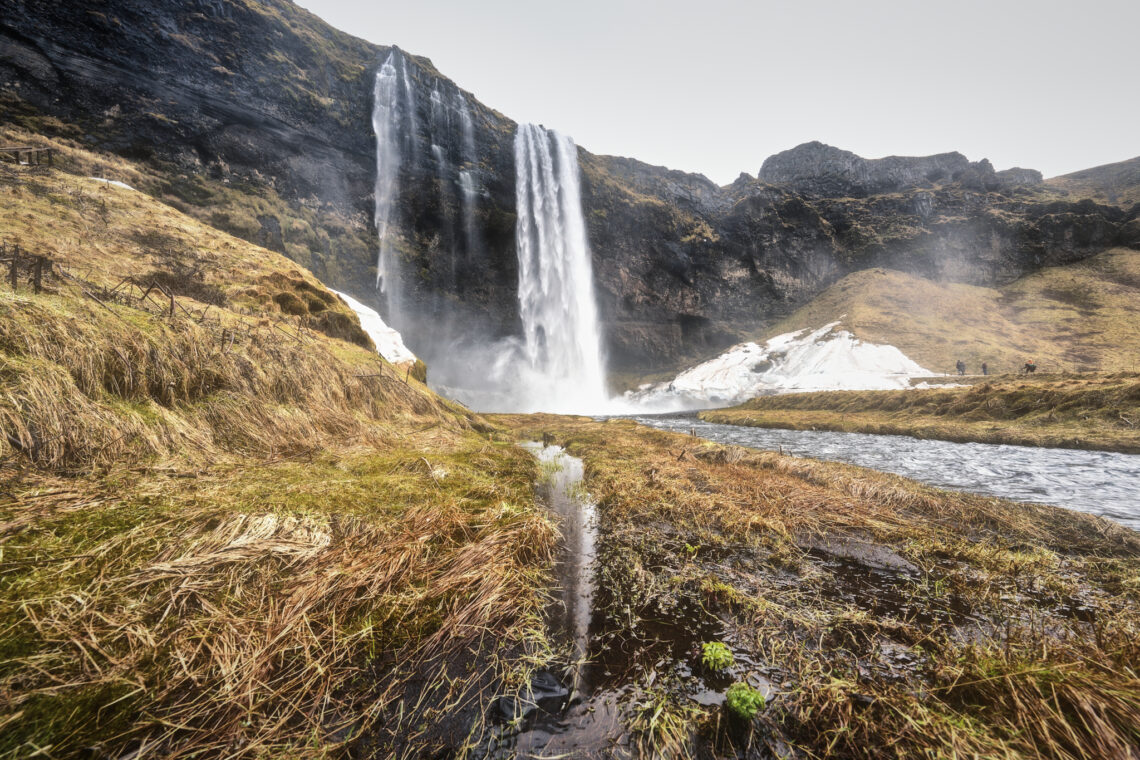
(689, 267)
(254, 116)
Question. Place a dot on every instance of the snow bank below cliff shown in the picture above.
(389, 343)
(112, 183)
(826, 359)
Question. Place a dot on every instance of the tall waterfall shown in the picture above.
(393, 101)
(556, 285)
(468, 180)
(429, 176)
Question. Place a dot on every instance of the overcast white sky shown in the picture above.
(715, 86)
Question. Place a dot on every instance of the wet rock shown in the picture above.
(544, 692)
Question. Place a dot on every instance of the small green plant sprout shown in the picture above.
(690, 550)
(716, 656)
(744, 701)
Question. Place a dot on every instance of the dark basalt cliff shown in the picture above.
(257, 117)
(685, 267)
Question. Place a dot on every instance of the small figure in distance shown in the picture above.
(1030, 367)
(985, 368)
(961, 367)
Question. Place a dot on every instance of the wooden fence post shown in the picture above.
(37, 275)
(15, 265)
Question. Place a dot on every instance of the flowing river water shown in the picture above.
(1100, 482)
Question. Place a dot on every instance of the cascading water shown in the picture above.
(393, 101)
(556, 285)
(468, 180)
(386, 124)
(556, 365)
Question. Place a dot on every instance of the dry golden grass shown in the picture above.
(1079, 317)
(1099, 411)
(104, 233)
(299, 608)
(995, 664)
(237, 536)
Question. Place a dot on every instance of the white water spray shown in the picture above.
(386, 125)
(393, 103)
(556, 285)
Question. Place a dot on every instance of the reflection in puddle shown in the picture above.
(609, 672)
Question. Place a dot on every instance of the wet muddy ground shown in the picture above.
(859, 624)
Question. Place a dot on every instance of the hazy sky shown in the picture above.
(715, 86)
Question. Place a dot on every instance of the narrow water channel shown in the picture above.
(1100, 482)
(584, 712)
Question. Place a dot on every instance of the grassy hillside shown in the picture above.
(1072, 411)
(1117, 184)
(1080, 317)
(235, 531)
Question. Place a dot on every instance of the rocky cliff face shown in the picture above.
(820, 170)
(257, 117)
(685, 268)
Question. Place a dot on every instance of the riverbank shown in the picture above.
(879, 617)
(1081, 411)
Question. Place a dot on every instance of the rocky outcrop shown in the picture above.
(821, 170)
(256, 117)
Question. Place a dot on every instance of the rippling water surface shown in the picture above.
(1100, 482)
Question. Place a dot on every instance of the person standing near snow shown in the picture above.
(985, 368)
(961, 367)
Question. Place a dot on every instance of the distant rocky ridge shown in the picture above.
(255, 116)
(822, 170)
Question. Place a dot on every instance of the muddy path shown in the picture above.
(619, 674)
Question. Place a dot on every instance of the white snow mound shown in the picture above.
(823, 360)
(112, 182)
(389, 343)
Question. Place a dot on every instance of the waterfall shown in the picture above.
(386, 126)
(393, 102)
(468, 179)
(556, 364)
(556, 285)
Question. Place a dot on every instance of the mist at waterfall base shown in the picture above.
(556, 365)
(553, 360)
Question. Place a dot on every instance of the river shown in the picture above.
(1100, 482)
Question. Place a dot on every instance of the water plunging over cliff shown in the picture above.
(427, 158)
(393, 101)
(556, 285)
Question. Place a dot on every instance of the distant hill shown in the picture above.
(1116, 184)
(1077, 317)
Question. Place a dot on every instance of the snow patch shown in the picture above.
(389, 343)
(114, 182)
(824, 360)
